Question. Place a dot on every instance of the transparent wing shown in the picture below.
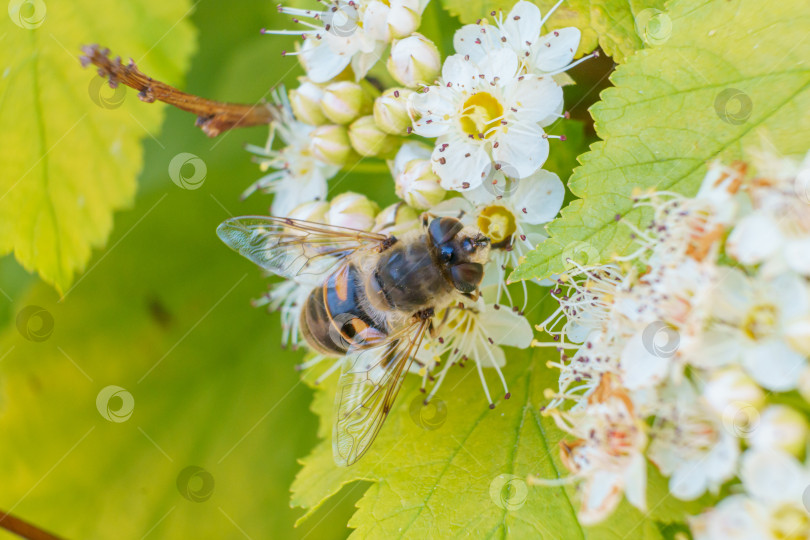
(367, 389)
(293, 248)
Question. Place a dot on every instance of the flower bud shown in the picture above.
(402, 20)
(732, 385)
(352, 210)
(331, 144)
(419, 186)
(314, 211)
(780, 427)
(306, 103)
(344, 101)
(391, 111)
(369, 140)
(414, 60)
(396, 219)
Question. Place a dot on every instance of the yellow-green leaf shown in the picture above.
(70, 145)
(460, 469)
(733, 76)
(620, 27)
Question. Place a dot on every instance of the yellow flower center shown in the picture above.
(760, 321)
(481, 113)
(497, 223)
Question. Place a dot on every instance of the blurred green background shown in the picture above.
(166, 295)
(163, 312)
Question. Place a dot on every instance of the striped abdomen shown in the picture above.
(335, 318)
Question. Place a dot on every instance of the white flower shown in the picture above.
(486, 115)
(777, 232)
(349, 32)
(607, 456)
(474, 332)
(512, 215)
(771, 507)
(520, 32)
(752, 323)
(298, 176)
(690, 444)
(736, 518)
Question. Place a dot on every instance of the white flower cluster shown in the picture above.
(692, 353)
(463, 136)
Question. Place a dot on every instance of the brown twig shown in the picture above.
(213, 117)
(24, 529)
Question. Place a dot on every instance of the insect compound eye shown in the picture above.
(447, 253)
(467, 276)
(443, 230)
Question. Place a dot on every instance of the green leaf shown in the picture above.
(618, 26)
(166, 292)
(732, 76)
(70, 146)
(454, 480)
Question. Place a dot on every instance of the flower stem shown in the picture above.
(213, 117)
(24, 529)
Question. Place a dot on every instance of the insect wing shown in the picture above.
(367, 389)
(294, 248)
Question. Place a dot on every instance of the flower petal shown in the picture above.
(556, 50)
(538, 197)
(320, 62)
(458, 71)
(774, 365)
(520, 148)
(500, 64)
(797, 254)
(641, 364)
(505, 327)
(469, 40)
(431, 111)
(755, 238)
(522, 25)
(462, 165)
(536, 99)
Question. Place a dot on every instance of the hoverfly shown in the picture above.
(376, 301)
